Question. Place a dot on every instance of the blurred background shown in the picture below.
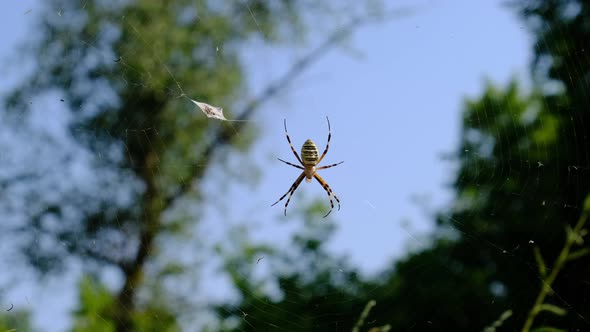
(463, 127)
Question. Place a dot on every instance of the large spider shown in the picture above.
(309, 160)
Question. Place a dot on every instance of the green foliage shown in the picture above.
(156, 319)
(574, 237)
(364, 315)
(315, 289)
(548, 329)
(436, 289)
(498, 323)
(95, 309)
(16, 320)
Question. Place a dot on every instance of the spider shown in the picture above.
(309, 160)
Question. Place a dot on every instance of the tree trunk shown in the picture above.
(150, 227)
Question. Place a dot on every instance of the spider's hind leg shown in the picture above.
(329, 191)
(290, 191)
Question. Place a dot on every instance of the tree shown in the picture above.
(482, 265)
(123, 70)
(519, 186)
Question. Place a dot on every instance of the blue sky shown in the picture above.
(394, 112)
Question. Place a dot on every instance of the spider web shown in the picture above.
(240, 187)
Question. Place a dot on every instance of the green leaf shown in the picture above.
(172, 269)
(587, 204)
(578, 254)
(547, 329)
(552, 309)
(94, 309)
(498, 323)
(540, 262)
(573, 236)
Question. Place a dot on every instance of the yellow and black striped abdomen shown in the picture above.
(309, 153)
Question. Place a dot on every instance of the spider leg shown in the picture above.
(329, 191)
(328, 166)
(291, 191)
(288, 163)
(291, 145)
(328, 143)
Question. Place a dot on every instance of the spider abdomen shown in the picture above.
(309, 153)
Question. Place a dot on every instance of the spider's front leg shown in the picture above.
(291, 145)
